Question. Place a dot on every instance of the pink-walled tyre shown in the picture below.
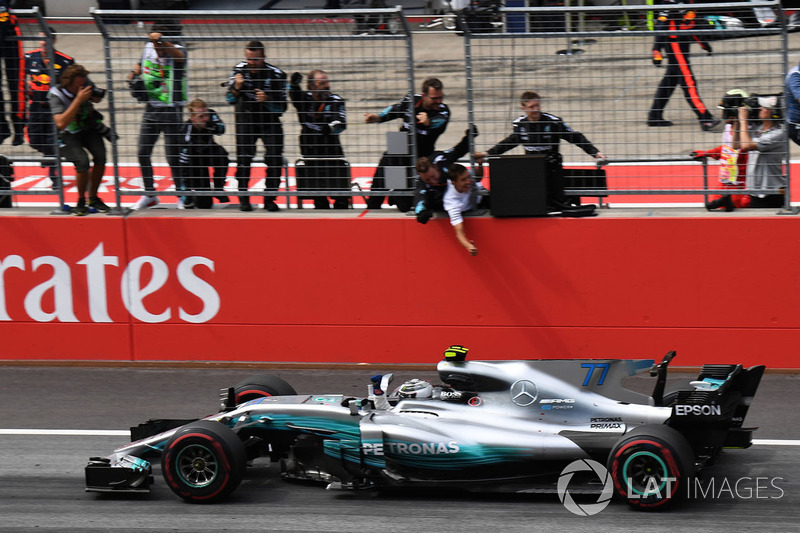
(652, 466)
(261, 385)
(203, 462)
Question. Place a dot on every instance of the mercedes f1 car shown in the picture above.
(490, 426)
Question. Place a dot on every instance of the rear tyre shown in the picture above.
(651, 467)
(261, 385)
(203, 462)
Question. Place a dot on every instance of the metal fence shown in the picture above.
(366, 55)
(593, 66)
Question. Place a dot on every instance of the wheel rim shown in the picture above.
(197, 466)
(645, 474)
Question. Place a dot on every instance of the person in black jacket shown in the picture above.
(540, 133)
(432, 172)
(12, 58)
(431, 116)
(41, 129)
(322, 117)
(258, 90)
(199, 151)
(679, 70)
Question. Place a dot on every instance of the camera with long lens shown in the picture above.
(97, 92)
(773, 102)
(731, 102)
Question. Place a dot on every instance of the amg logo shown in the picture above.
(557, 400)
(698, 410)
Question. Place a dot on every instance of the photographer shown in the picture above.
(733, 163)
(765, 140)
(160, 81)
(198, 152)
(76, 121)
(258, 90)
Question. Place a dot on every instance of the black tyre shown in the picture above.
(261, 385)
(203, 462)
(651, 466)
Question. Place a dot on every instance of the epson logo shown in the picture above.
(698, 410)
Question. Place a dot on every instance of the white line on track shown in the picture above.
(124, 433)
(68, 432)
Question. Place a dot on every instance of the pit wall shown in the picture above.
(390, 290)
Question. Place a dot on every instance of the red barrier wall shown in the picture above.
(391, 290)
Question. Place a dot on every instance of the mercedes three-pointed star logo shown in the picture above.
(523, 393)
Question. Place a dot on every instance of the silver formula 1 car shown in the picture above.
(490, 426)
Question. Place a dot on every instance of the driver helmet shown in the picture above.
(414, 388)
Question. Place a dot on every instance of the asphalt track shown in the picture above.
(53, 418)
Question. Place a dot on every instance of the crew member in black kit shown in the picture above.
(13, 64)
(258, 90)
(431, 116)
(540, 133)
(322, 117)
(199, 153)
(432, 172)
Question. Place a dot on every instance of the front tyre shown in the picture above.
(203, 462)
(651, 466)
(261, 385)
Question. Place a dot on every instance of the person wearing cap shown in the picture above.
(679, 71)
(733, 163)
(792, 90)
(42, 135)
(765, 141)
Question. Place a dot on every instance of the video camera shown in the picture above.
(773, 102)
(736, 98)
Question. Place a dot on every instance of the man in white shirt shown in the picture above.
(463, 198)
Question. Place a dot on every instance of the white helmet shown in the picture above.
(414, 388)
